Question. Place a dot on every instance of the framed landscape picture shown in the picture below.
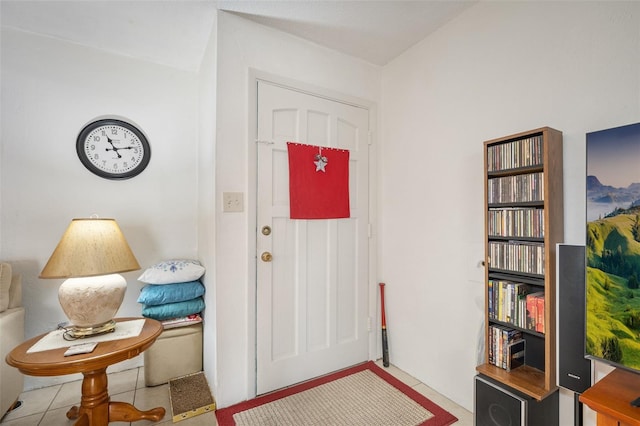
(613, 246)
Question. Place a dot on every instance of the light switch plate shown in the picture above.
(232, 202)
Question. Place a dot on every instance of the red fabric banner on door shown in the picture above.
(318, 182)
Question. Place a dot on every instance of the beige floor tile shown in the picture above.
(464, 417)
(128, 397)
(123, 381)
(68, 395)
(140, 383)
(33, 402)
(398, 374)
(165, 421)
(32, 420)
(464, 421)
(57, 417)
(429, 393)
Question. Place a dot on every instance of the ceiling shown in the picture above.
(176, 32)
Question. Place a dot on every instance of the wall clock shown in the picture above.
(113, 149)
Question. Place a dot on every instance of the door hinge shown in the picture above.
(369, 230)
(369, 324)
(369, 137)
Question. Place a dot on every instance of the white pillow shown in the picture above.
(172, 271)
(5, 284)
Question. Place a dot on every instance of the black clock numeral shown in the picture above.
(96, 138)
(92, 147)
(96, 156)
(114, 131)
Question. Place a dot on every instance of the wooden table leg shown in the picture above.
(122, 411)
(82, 421)
(94, 404)
(96, 408)
(73, 413)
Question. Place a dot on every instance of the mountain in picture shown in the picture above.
(599, 193)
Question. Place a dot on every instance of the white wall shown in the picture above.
(498, 69)
(50, 90)
(243, 45)
(207, 79)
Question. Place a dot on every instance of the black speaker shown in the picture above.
(499, 405)
(574, 370)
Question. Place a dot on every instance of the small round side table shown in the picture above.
(96, 407)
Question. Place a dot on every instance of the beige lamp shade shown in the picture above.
(90, 255)
(90, 247)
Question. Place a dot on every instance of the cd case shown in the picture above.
(515, 354)
(82, 348)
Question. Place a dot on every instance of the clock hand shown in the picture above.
(113, 147)
(111, 141)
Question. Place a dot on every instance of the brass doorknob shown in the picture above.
(266, 257)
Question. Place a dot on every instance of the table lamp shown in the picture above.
(91, 254)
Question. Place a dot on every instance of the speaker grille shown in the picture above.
(574, 370)
(495, 406)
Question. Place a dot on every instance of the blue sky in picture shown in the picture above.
(613, 155)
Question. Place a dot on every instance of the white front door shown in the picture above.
(312, 294)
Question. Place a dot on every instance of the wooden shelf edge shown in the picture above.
(525, 379)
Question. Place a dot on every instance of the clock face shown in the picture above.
(113, 149)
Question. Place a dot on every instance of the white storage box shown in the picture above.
(177, 352)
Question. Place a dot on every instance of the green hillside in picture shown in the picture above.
(613, 288)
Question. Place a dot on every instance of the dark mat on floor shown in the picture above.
(190, 396)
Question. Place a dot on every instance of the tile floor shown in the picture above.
(48, 406)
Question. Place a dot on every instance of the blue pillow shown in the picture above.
(152, 294)
(173, 310)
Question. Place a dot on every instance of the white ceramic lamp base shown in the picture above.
(91, 303)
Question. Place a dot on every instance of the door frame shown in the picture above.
(256, 75)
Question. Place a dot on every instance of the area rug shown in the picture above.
(363, 395)
(190, 396)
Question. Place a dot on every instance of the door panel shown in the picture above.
(312, 296)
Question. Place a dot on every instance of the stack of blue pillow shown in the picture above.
(172, 290)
